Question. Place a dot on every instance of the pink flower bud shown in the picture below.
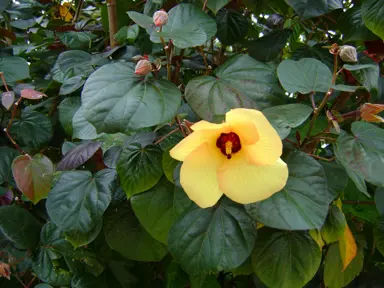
(143, 67)
(160, 18)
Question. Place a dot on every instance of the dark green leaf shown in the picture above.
(159, 208)
(151, 6)
(142, 20)
(337, 178)
(114, 99)
(204, 281)
(32, 130)
(6, 155)
(334, 226)
(216, 5)
(139, 168)
(77, 40)
(232, 26)
(14, 68)
(4, 4)
(43, 285)
(169, 164)
(19, 226)
(79, 238)
(366, 74)
(78, 156)
(82, 129)
(378, 234)
(352, 26)
(23, 24)
(379, 200)
(78, 200)
(129, 33)
(304, 76)
(312, 8)
(70, 85)
(334, 276)
(317, 51)
(240, 82)
(187, 26)
(175, 277)
(33, 176)
(268, 47)
(363, 152)
(85, 281)
(373, 16)
(285, 259)
(67, 109)
(124, 234)
(285, 117)
(225, 232)
(54, 240)
(303, 202)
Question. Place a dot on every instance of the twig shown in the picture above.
(205, 4)
(21, 282)
(178, 66)
(6, 129)
(322, 158)
(78, 11)
(30, 282)
(5, 83)
(112, 21)
(312, 96)
(166, 135)
(180, 126)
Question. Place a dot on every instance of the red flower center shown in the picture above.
(228, 143)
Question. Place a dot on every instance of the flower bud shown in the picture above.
(160, 18)
(334, 49)
(369, 111)
(143, 67)
(348, 53)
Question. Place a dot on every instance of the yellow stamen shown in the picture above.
(228, 148)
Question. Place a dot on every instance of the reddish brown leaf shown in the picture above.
(32, 94)
(5, 270)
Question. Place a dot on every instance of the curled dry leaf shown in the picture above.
(7, 99)
(5, 270)
(32, 94)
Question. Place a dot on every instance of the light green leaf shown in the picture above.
(363, 152)
(224, 232)
(334, 276)
(312, 8)
(32, 130)
(216, 5)
(139, 168)
(129, 33)
(33, 176)
(334, 226)
(77, 40)
(19, 226)
(124, 234)
(304, 76)
(187, 26)
(23, 24)
(240, 82)
(285, 259)
(366, 74)
(159, 208)
(144, 21)
(14, 68)
(285, 117)
(7, 155)
(78, 200)
(303, 202)
(373, 16)
(70, 85)
(82, 129)
(114, 99)
(67, 110)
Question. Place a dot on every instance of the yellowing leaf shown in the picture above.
(259, 225)
(316, 235)
(64, 12)
(347, 246)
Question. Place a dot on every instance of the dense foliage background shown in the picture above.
(89, 194)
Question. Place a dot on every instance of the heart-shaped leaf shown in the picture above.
(114, 99)
(159, 207)
(33, 176)
(32, 94)
(305, 76)
(82, 129)
(7, 155)
(241, 82)
(224, 232)
(67, 110)
(78, 156)
(139, 168)
(7, 99)
(14, 68)
(303, 202)
(312, 8)
(373, 16)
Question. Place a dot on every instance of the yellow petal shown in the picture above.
(269, 147)
(205, 125)
(246, 183)
(189, 144)
(198, 175)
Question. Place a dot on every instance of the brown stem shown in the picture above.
(205, 5)
(180, 126)
(322, 158)
(176, 78)
(78, 11)
(21, 282)
(312, 96)
(112, 21)
(30, 282)
(5, 83)
(169, 60)
(6, 129)
(166, 135)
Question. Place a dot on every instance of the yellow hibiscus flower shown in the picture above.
(239, 158)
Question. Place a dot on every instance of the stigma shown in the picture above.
(228, 143)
